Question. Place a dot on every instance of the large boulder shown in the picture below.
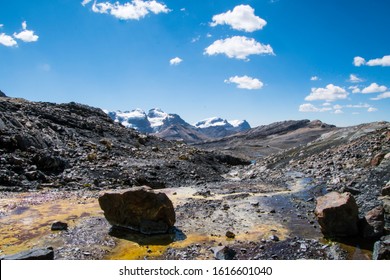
(141, 209)
(337, 214)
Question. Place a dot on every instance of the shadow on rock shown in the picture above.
(174, 234)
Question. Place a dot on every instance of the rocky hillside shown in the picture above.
(76, 146)
(265, 140)
(353, 159)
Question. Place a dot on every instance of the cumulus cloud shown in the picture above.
(245, 82)
(358, 61)
(361, 105)
(26, 35)
(307, 107)
(239, 47)
(7, 40)
(338, 111)
(175, 61)
(372, 109)
(355, 89)
(1, 25)
(382, 96)
(133, 10)
(384, 61)
(314, 78)
(374, 87)
(242, 18)
(354, 79)
(329, 93)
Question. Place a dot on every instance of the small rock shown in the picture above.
(59, 226)
(274, 237)
(386, 190)
(223, 253)
(272, 211)
(230, 234)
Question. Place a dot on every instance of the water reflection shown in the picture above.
(173, 235)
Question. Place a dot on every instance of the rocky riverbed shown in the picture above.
(56, 160)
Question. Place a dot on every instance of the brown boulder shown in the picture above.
(140, 209)
(337, 214)
(374, 223)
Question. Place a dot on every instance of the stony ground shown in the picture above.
(55, 161)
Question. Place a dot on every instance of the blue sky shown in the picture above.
(259, 60)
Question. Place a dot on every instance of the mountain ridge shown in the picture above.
(173, 127)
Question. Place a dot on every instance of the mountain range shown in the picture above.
(173, 127)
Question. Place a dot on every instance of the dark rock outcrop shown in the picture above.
(337, 214)
(142, 210)
(2, 94)
(33, 254)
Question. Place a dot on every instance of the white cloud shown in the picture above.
(361, 105)
(382, 96)
(175, 61)
(314, 78)
(26, 35)
(327, 104)
(355, 89)
(208, 35)
(242, 18)
(1, 25)
(307, 107)
(85, 2)
(7, 40)
(372, 109)
(239, 47)
(338, 112)
(245, 82)
(374, 87)
(384, 61)
(330, 93)
(358, 61)
(183, 9)
(135, 9)
(354, 79)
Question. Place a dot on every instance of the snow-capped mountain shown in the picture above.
(217, 127)
(173, 127)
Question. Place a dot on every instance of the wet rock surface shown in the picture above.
(33, 254)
